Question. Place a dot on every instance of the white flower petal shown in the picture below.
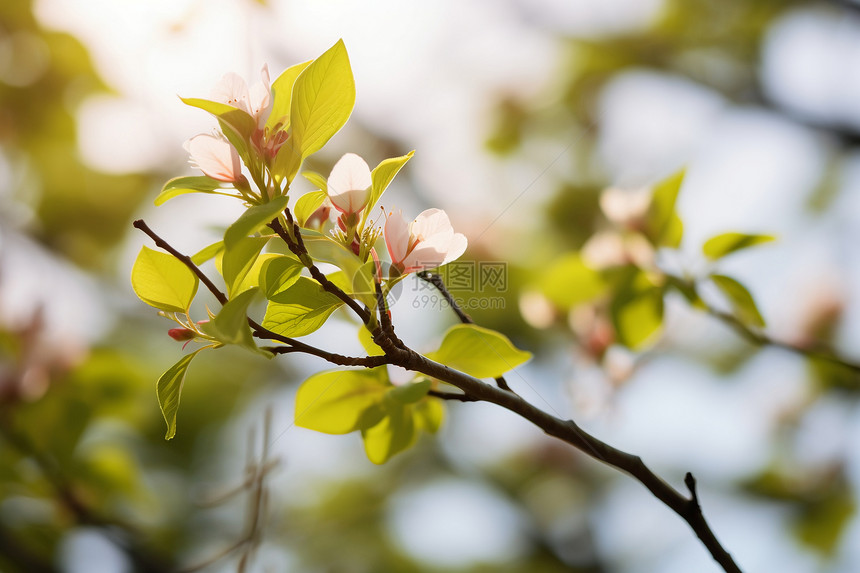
(232, 90)
(349, 184)
(396, 237)
(215, 157)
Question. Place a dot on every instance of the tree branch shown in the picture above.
(297, 246)
(437, 282)
(568, 431)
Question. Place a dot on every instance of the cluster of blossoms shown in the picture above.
(425, 243)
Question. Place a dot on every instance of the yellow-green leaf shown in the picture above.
(162, 281)
(323, 98)
(182, 185)
(395, 433)
(637, 311)
(278, 273)
(478, 351)
(306, 205)
(169, 389)
(300, 309)
(663, 226)
(569, 282)
(254, 219)
(382, 176)
(741, 300)
(341, 401)
(727, 243)
(282, 90)
(238, 260)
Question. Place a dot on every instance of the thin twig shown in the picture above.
(297, 247)
(437, 282)
(813, 351)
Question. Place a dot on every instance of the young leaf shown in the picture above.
(478, 351)
(411, 392)
(637, 311)
(722, 245)
(663, 226)
(230, 325)
(282, 88)
(162, 281)
(569, 282)
(382, 176)
(300, 309)
(741, 300)
(278, 274)
(429, 414)
(367, 342)
(253, 276)
(207, 253)
(323, 98)
(238, 259)
(254, 219)
(395, 433)
(182, 185)
(341, 401)
(236, 125)
(316, 180)
(306, 205)
(287, 162)
(169, 388)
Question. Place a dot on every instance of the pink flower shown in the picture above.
(256, 101)
(427, 242)
(215, 157)
(349, 184)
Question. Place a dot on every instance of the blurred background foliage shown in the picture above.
(87, 482)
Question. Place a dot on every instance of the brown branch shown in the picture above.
(437, 282)
(297, 247)
(259, 330)
(568, 431)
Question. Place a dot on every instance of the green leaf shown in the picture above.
(230, 325)
(366, 339)
(278, 274)
(358, 275)
(637, 310)
(253, 276)
(722, 245)
(301, 309)
(569, 282)
(663, 226)
(238, 259)
(342, 401)
(307, 204)
(741, 300)
(323, 98)
(316, 180)
(169, 388)
(254, 219)
(182, 185)
(236, 124)
(162, 281)
(395, 433)
(478, 351)
(382, 176)
(411, 392)
(282, 90)
(429, 414)
(207, 253)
